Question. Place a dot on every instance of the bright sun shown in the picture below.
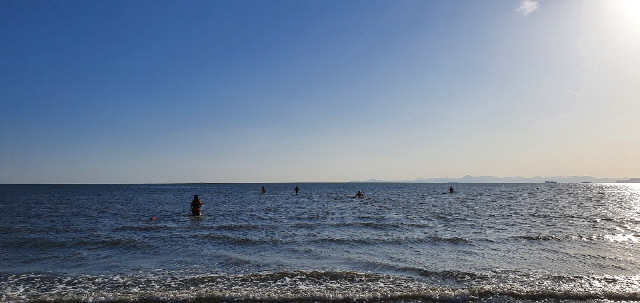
(628, 11)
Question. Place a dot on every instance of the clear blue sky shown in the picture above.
(304, 91)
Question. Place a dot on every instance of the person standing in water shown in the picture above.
(195, 205)
(264, 190)
(451, 189)
(297, 189)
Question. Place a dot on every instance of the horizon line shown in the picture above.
(436, 180)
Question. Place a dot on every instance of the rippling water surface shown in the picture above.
(400, 243)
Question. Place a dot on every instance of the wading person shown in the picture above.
(195, 205)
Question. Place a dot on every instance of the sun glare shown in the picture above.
(627, 12)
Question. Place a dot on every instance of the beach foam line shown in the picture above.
(300, 286)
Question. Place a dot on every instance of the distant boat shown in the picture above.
(550, 182)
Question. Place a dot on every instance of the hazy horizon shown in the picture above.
(317, 91)
(435, 180)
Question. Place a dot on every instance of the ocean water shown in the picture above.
(400, 243)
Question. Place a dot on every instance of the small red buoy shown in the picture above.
(153, 218)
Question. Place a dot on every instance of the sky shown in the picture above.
(156, 91)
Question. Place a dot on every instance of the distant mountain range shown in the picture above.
(492, 179)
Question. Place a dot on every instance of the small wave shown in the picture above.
(151, 227)
(581, 238)
(628, 238)
(236, 227)
(396, 240)
(116, 242)
(238, 240)
(368, 225)
(37, 242)
(539, 238)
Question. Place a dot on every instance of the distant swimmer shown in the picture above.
(359, 195)
(297, 189)
(195, 205)
(264, 190)
(451, 189)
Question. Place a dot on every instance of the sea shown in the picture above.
(401, 242)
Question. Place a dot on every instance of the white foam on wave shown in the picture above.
(308, 286)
